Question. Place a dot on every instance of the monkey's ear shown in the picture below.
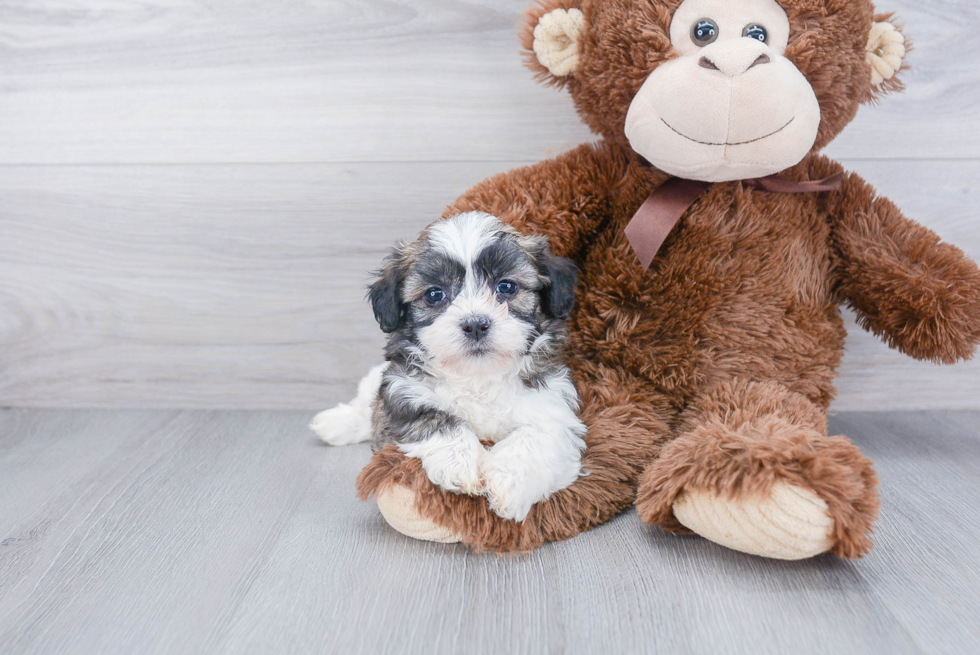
(886, 53)
(385, 293)
(551, 39)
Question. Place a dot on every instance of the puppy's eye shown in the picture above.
(756, 31)
(507, 287)
(434, 295)
(704, 31)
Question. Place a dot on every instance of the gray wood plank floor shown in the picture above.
(148, 531)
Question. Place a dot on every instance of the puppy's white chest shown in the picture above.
(490, 412)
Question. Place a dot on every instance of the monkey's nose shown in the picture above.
(734, 57)
(476, 327)
(705, 62)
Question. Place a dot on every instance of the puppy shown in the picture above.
(476, 314)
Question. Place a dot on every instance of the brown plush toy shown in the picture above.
(705, 379)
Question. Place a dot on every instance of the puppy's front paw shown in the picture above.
(342, 425)
(524, 469)
(452, 463)
(507, 491)
(511, 482)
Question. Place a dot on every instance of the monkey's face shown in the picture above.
(716, 90)
(731, 106)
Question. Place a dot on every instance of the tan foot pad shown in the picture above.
(397, 505)
(791, 524)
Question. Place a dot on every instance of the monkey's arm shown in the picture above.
(565, 198)
(921, 296)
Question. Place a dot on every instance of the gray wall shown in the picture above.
(191, 192)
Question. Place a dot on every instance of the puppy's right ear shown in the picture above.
(563, 274)
(385, 293)
(559, 277)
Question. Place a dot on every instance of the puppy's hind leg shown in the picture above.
(349, 423)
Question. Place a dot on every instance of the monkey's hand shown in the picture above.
(920, 295)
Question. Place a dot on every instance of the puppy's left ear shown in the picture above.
(385, 293)
(558, 297)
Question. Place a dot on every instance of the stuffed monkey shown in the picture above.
(716, 247)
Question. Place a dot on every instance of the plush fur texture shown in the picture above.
(624, 435)
(714, 369)
(741, 437)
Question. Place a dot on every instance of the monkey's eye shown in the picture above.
(507, 287)
(434, 295)
(756, 31)
(704, 32)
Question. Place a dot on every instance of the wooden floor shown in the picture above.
(236, 532)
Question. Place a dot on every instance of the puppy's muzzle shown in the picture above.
(476, 327)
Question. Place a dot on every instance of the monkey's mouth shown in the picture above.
(740, 143)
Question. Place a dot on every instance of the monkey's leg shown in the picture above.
(626, 430)
(752, 469)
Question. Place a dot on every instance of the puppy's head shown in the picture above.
(472, 295)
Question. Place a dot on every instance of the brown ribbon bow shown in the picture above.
(659, 213)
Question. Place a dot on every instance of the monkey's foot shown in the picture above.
(753, 470)
(397, 505)
(792, 523)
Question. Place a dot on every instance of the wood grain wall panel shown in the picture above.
(243, 286)
(191, 191)
(100, 81)
(200, 285)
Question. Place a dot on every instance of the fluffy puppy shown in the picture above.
(476, 314)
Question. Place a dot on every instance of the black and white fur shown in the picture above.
(476, 314)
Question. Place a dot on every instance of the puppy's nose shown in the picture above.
(476, 328)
